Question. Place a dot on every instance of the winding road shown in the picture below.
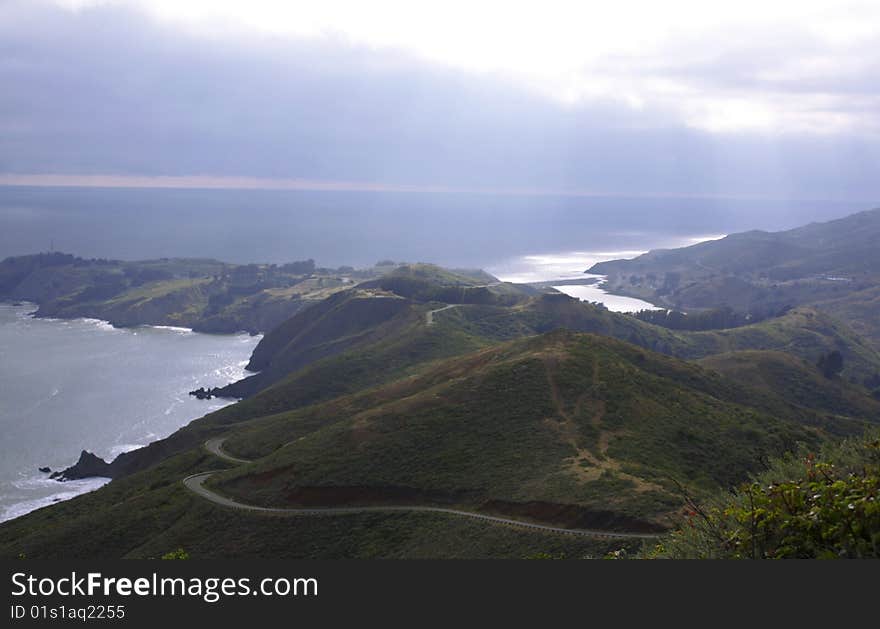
(196, 484)
(215, 447)
(429, 316)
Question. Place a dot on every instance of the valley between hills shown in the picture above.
(414, 411)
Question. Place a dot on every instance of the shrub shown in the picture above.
(176, 554)
(805, 507)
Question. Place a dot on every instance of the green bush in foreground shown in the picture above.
(176, 554)
(807, 506)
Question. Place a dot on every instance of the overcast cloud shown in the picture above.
(777, 108)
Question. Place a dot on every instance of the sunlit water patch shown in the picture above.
(572, 265)
(595, 293)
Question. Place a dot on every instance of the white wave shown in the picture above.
(67, 490)
(100, 324)
(172, 328)
(33, 482)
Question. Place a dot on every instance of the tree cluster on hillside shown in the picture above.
(830, 364)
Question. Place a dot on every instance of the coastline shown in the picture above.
(22, 486)
(93, 470)
(117, 325)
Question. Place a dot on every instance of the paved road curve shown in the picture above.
(215, 447)
(429, 316)
(195, 483)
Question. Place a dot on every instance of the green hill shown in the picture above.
(794, 387)
(357, 352)
(803, 332)
(377, 333)
(579, 422)
(392, 310)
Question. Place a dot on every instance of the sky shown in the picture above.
(753, 99)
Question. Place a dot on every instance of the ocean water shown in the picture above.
(512, 234)
(71, 385)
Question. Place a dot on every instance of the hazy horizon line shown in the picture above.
(214, 182)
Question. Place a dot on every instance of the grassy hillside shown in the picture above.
(151, 513)
(860, 308)
(414, 347)
(377, 334)
(795, 386)
(387, 317)
(561, 425)
(411, 349)
(803, 332)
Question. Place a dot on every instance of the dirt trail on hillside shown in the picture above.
(599, 462)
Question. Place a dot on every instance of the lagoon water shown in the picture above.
(570, 265)
(81, 384)
(615, 303)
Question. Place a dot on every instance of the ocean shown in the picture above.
(71, 385)
(516, 235)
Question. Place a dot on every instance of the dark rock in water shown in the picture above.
(45, 470)
(206, 394)
(88, 466)
(128, 463)
(202, 393)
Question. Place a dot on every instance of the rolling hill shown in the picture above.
(579, 422)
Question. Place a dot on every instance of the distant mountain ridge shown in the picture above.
(847, 245)
(834, 266)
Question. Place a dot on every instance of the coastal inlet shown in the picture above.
(80, 384)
